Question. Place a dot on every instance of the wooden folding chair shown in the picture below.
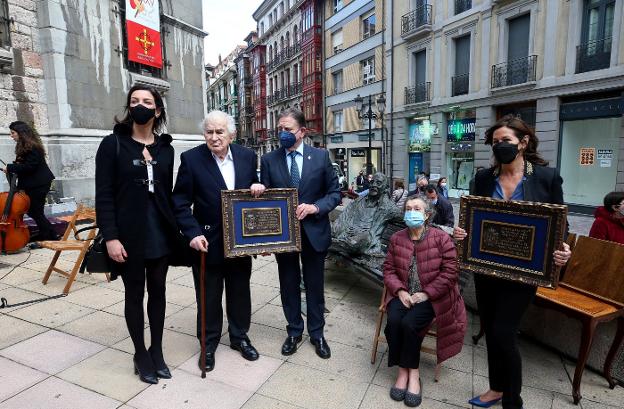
(380, 337)
(75, 243)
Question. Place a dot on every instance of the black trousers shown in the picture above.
(313, 264)
(235, 273)
(502, 304)
(37, 201)
(404, 332)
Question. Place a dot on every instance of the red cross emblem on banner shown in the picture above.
(144, 39)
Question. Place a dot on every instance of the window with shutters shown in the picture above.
(338, 121)
(367, 67)
(337, 79)
(368, 25)
(337, 41)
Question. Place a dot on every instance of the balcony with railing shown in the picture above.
(462, 5)
(288, 92)
(284, 57)
(459, 84)
(515, 72)
(249, 110)
(416, 22)
(418, 93)
(593, 55)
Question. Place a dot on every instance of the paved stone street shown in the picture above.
(75, 352)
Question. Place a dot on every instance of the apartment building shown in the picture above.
(245, 87)
(354, 35)
(456, 66)
(286, 65)
(223, 86)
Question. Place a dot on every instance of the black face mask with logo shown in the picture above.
(141, 114)
(505, 152)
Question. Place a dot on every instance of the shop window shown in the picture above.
(368, 26)
(367, 67)
(460, 137)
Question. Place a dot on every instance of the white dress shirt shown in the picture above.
(226, 166)
(298, 159)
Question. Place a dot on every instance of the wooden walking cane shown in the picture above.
(202, 301)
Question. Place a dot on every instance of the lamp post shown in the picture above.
(369, 114)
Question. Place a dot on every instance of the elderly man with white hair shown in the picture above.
(204, 171)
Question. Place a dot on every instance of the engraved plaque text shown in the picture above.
(508, 240)
(262, 221)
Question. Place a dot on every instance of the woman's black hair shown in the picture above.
(520, 129)
(159, 122)
(613, 199)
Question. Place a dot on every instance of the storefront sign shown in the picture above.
(420, 136)
(592, 109)
(605, 154)
(143, 30)
(358, 153)
(336, 139)
(461, 130)
(587, 156)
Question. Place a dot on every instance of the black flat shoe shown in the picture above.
(210, 362)
(413, 399)
(246, 350)
(322, 349)
(147, 376)
(291, 344)
(162, 370)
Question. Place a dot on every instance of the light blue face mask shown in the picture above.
(414, 218)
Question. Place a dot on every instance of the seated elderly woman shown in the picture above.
(420, 274)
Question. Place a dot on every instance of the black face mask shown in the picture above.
(141, 114)
(505, 152)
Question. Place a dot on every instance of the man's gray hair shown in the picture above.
(216, 115)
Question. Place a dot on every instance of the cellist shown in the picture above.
(34, 176)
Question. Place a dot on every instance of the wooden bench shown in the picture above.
(591, 291)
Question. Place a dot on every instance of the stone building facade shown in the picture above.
(223, 86)
(64, 68)
(455, 66)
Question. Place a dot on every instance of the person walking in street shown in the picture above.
(308, 169)
(204, 172)
(133, 182)
(609, 223)
(360, 181)
(34, 176)
(519, 173)
(420, 275)
(399, 194)
(443, 208)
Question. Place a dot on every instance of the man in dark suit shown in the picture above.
(309, 169)
(204, 171)
(443, 208)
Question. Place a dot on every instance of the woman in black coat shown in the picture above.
(33, 174)
(519, 173)
(134, 178)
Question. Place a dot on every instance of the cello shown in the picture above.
(14, 204)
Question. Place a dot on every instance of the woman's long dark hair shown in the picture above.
(28, 139)
(159, 123)
(520, 129)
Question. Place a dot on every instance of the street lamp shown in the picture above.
(368, 113)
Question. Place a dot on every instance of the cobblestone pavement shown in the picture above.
(74, 352)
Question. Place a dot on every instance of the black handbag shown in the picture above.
(96, 259)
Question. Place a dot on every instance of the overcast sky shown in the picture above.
(227, 22)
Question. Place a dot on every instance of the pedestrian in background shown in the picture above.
(420, 275)
(399, 194)
(442, 187)
(444, 215)
(133, 183)
(609, 223)
(34, 176)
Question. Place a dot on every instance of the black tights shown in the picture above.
(156, 274)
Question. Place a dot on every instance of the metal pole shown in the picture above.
(369, 161)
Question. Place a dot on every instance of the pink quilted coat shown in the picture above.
(437, 270)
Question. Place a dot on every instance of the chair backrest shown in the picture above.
(596, 266)
(82, 213)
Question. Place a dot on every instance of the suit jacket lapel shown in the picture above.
(305, 169)
(283, 170)
(212, 167)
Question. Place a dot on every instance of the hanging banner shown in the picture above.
(143, 30)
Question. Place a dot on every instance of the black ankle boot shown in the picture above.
(144, 367)
(162, 371)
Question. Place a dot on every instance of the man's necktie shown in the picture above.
(294, 170)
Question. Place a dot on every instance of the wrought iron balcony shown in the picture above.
(594, 55)
(249, 110)
(462, 5)
(284, 56)
(416, 21)
(459, 84)
(514, 72)
(418, 93)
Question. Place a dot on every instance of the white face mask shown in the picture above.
(621, 210)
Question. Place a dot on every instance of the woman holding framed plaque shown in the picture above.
(518, 173)
(420, 276)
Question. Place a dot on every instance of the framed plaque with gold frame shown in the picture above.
(513, 240)
(266, 224)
